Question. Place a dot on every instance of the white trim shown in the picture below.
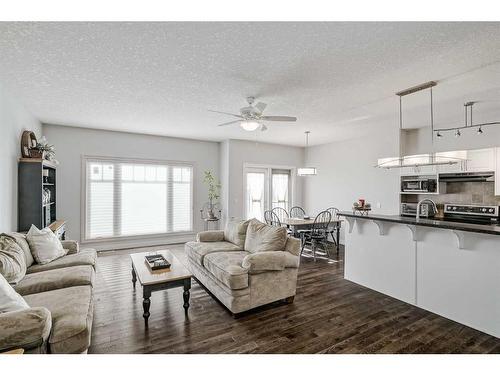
(121, 239)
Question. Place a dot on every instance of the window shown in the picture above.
(132, 198)
(266, 188)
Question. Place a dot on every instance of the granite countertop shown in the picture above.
(435, 223)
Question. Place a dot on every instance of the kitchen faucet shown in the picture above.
(425, 200)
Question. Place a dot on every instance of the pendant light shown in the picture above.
(307, 171)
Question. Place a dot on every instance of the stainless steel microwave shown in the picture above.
(419, 184)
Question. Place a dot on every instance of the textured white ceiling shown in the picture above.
(339, 79)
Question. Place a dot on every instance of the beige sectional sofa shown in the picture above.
(60, 298)
(249, 264)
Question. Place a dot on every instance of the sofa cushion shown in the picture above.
(236, 231)
(263, 237)
(20, 239)
(39, 282)
(28, 329)
(12, 261)
(197, 250)
(44, 245)
(72, 312)
(226, 267)
(84, 257)
(10, 300)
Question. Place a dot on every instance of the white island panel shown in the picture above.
(460, 284)
(384, 262)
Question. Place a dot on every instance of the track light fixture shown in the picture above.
(468, 123)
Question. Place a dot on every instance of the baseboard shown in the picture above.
(143, 242)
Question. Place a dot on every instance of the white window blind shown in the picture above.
(132, 198)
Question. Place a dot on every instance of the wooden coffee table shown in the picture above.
(151, 281)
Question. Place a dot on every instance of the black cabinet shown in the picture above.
(36, 193)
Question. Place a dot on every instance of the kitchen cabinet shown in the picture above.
(449, 156)
(497, 171)
(482, 160)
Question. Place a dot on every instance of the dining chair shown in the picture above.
(271, 218)
(280, 212)
(332, 231)
(318, 234)
(297, 212)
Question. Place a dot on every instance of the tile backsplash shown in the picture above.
(463, 192)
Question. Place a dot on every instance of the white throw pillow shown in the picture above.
(10, 300)
(44, 245)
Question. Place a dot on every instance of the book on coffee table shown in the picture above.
(157, 262)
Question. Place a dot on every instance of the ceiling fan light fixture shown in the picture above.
(249, 126)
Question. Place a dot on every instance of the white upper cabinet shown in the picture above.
(461, 156)
(497, 172)
(482, 160)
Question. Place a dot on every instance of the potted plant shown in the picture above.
(213, 192)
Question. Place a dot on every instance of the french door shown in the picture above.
(265, 189)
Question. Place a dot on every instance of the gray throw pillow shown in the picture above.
(263, 237)
(10, 300)
(12, 261)
(44, 245)
(235, 232)
(20, 239)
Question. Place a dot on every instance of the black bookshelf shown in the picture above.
(31, 185)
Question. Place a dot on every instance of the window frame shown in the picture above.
(84, 191)
(268, 191)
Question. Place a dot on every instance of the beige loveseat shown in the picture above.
(59, 294)
(249, 264)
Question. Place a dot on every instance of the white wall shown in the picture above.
(72, 143)
(346, 173)
(242, 152)
(14, 119)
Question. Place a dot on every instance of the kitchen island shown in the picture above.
(449, 268)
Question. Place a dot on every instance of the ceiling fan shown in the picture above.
(251, 118)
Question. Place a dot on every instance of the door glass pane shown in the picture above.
(255, 195)
(280, 183)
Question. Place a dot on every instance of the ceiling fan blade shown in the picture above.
(229, 123)
(278, 118)
(261, 106)
(225, 113)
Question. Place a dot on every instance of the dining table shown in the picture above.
(296, 224)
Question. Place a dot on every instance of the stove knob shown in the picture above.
(491, 210)
(483, 209)
(454, 208)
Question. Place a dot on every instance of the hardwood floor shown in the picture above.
(329, 315)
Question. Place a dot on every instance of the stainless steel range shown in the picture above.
(469, 213)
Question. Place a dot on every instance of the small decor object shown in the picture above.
(361, 206)
(44, 245)
(45, 176)
(28, 141)
(44, 150)
(213, 193)
(157, 262)
(46, 196)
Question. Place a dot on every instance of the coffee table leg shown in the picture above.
(134, 276)
(146, 303)
(185, 295)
